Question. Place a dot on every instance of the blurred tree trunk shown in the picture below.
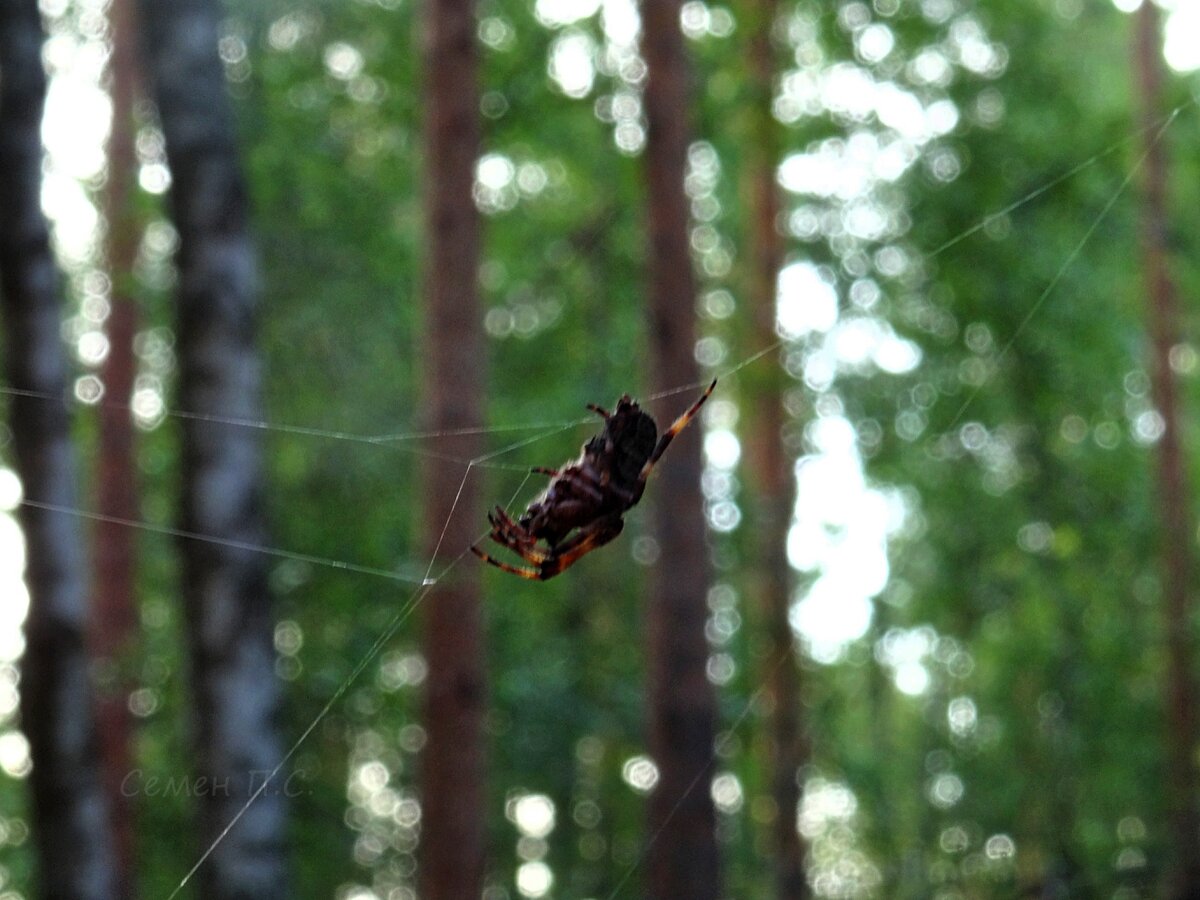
(768, 469)
(682, 855)
(452, 767)
(69, 817)
(227, 605)
(1162, 319)
(113, 618)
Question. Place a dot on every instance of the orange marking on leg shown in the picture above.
(532, 574)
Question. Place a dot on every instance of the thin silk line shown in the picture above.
(224, 542)
(718, 749)
(406, 610)
(446, 527)
(1161, 124)
(1071, 257)
(1037, 192)
(516, 493)
(479, 460)
(726, 374)
(386, 440)
(426, 583)
(454, 432)
(278, 552)
(385, 635)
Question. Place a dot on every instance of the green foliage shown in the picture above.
(1026, 562)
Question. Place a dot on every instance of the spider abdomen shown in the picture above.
(569, 501)
(582, 506)
(632, 435)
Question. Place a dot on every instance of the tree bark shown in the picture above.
(1162, 317)
(682, 855)
(69, 817)
(768, 468)
(227, 605)
(452, 850)
(113, 618)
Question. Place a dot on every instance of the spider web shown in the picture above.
(422, 584)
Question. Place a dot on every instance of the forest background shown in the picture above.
(941, 563)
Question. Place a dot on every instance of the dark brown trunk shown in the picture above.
(69, 818)
(1174, 500)
(113, 618)
(768, 469)
(226, 601)
(682, 854)
(452, 847)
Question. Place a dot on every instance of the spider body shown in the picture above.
(633, 435)
(582, 506)
(603, 481)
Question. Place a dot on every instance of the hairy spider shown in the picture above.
(587, 496)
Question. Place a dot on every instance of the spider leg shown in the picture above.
(510, 534)
(586, 533)
(524, 572)
(562, 557)
(543, 470)
(669, 435)
(503, 522)
(584, 542)
(600, 411)
(526, 550)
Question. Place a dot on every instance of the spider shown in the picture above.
(587, 496)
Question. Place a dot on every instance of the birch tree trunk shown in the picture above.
(69, 818)
(227, 606)
(682, 855)
(452, 851)
(1162, 323)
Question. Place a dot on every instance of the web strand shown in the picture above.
(383, 440)
(405, 612)
(402, 615)
(723, 376)
(1162, 125)
(282, 553)
(425, 584)
(719, 748)
(224, 542)
(1067, 263)
(393, 626)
